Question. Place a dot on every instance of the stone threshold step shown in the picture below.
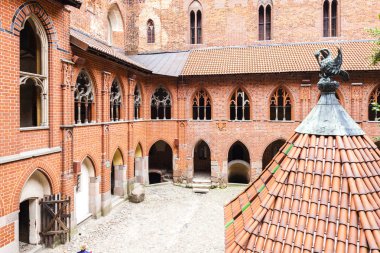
(200, 190)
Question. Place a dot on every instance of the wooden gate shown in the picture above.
(55, 219)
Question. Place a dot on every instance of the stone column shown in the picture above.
(121, 180)
(95, 197)
(224, 174)
(215, 173)
(139, 170)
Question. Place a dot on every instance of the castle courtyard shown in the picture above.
(171, 219)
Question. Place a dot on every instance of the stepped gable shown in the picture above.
(320, 193)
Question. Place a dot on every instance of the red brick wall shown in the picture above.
(236, 22)
(7, 234)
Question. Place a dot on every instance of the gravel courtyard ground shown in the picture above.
(171, 219)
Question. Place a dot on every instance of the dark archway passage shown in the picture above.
(238, 164)
(202, 160)
(160, 162)
(24, 221)
(271, 151)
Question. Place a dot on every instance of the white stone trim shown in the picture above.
(29, 154)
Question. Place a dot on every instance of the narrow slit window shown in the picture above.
(192, 27)
(199, 27)
(268, 27)
(326, 19)
(261, 23)
(150, 31)
(334, 10)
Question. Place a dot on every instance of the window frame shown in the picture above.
(88, 99)
(40, 80)
(197, 107)
(150, 32)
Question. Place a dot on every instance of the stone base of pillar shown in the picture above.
(106, 203)
(120, 181)
(95, 198)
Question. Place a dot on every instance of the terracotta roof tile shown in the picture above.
(329, 202)
(275, 58)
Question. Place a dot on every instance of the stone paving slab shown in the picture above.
(171, 219)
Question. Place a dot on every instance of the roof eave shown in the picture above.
(74, 3)
(87, 48)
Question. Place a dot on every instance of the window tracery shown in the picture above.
(33, 74)
(83, 98)
(137, 102)
(115, 101)
(161, 104)
(280, 105)
(201, 106)
(239, 106)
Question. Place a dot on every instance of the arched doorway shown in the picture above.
(139, 173)
(83, 191)
(117, 161)
(238, 164)
(202, 160)
(160, 163)
(30, 211)
(271, 151)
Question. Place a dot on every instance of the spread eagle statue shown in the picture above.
(330, 67)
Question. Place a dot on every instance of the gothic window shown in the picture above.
(374, 115)
(201, 106)
(330, 18)
(83, 99)
(161, 104)
(280, 105)
(115, 101)
(33, 74)
(196, 23)
(115, 31)
(239, 106)
(137, 102)
(265, 22)
(150, 31)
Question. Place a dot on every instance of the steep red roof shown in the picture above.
(318, 194)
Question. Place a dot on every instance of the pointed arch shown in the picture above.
(202, 159)
(201, 105)
(271, 150)
(160, 162)
(139, 151)
(161, 104)
(117, 158)
(239, 168)
(150, 30)
(240, 105)
(195, 21)
(34, 8)
(34, 72)
(115, 31)
(115, 100)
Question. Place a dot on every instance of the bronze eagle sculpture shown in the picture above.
(330, 67)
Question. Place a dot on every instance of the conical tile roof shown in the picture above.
(320, 193)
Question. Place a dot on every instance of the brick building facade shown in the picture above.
(104, 107)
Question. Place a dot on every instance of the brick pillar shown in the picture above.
(106, 86)
(305, 91)
(105, 188)
(357, 110)
(131, 148)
